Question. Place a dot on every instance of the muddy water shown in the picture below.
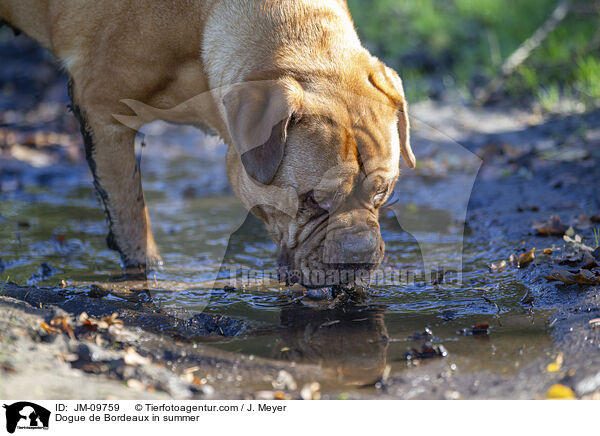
(51, 229)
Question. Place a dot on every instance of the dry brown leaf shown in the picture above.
(112, 320)
(63, 323)
(526, 258)
(481, 328)
(583, 277)
(279, 395)
(553, 227)
(68, 329)
(49, 329)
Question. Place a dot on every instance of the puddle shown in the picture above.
(52, 229)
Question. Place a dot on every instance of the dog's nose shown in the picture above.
(350, 248)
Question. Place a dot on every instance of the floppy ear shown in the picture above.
(258, 115)
(388, 82)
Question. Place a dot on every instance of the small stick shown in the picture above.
(523, 52)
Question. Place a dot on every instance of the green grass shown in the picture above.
(462, 43)
(597, 237)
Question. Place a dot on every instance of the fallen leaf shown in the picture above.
(526, 258)
(577, 241)
(583, 277)
(498, 267)
(553, 227)
(67, 357)
(556, 365)
(132, 358)
(481, 328)
(548, 251)
(68, 329)
(280, 396)
(594, 323)
(311, 391)
(560, 392)
(589, 261)
(427, 350)
(112, 320)
(49, 329)
(63, 323)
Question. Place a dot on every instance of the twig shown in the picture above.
(523, 52)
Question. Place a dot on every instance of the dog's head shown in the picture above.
(316, 159)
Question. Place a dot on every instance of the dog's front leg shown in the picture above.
(110, 153)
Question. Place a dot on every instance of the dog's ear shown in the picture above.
(388, 82)
(258, 116)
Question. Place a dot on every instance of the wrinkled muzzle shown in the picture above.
(344, 253)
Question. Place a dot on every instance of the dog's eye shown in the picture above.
(380, 194)
(315, 202)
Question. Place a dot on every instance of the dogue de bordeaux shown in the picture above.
(304, 107)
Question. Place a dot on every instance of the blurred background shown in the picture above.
(459, 46)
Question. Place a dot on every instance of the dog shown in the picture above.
(312, 119)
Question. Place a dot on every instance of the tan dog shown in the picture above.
(304, 106)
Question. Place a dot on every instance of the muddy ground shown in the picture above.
(59, 344)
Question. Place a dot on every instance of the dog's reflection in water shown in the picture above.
(351, 340)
